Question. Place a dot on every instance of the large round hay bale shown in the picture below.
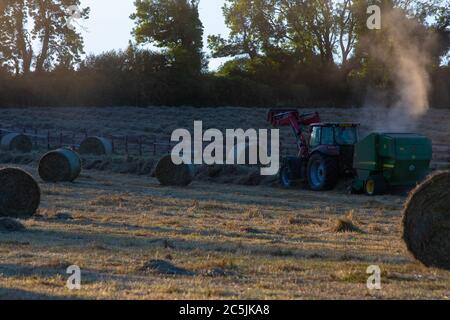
(16, 142)
(426, 221)
(20, 194)
(60, 165)
(169, 174)
(96, 146)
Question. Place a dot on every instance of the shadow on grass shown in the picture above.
(28, 271)
(19, 294)
(178, 241)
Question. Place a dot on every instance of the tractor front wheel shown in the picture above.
(375, 185)
(286, 176)
(290, 172)
(322, 172)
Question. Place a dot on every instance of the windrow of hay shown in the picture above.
(235, 174)
(165, 268)
(96, 146)
(60, 165)
(346, 224)
(12, 157)
(426, 221)
(19, 193)
(11, 225)
(170, 174)
(16, 142)
(129, 164)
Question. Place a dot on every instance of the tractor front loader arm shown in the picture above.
(292, 118)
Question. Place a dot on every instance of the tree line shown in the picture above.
(281, 53)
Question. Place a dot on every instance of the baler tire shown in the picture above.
(378, 184)
(331, 172)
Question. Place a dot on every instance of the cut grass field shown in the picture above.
(233, 241)
(238, 241)
(161, 121)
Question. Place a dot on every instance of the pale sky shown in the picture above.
(109, 25)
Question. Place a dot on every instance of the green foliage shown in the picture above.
(285, 53)
(303, 28)
(249, 29)
(25, 22)
(175, 26)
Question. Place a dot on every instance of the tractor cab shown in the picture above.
(333, 134)
(331, 149)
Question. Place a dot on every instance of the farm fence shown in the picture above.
(145, 145)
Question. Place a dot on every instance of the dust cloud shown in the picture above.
(406, 58)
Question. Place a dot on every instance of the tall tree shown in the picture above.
(256, 28)
(346, 25)
(173, 25)
(29, 24)
(16, 50)
(240, 17)
(304, 28)
(58, 41)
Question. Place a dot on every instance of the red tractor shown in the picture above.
(325, 150)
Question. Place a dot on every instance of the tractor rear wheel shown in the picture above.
(322, 172)
(375, 185)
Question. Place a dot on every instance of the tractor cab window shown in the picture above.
(346, 135)
(327, 136)
(315, 137)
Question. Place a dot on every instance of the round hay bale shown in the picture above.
(19, 193)
(96, 146)
(426, 221)
(16, 142)
(169, 174)
(60, 165)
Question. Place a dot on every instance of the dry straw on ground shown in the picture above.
(346, 224)
(165, 268)
(169, 174)
(426, 221)
(16, 142)
(96, 146)
(111, 242)
(60, 165)
(19, 193)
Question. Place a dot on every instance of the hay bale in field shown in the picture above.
(16, 142)
(169, 174)
(11, 225)
(19, 193)
(60, 165)
(426, 221)
(96, 146)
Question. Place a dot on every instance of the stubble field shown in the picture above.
(223, 241)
